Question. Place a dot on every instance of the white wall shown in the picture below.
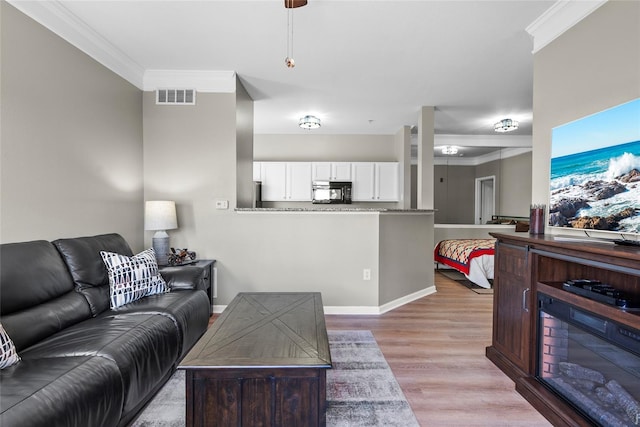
(593, 66)
(71, 140)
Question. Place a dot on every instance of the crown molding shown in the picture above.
(563, 15)
(54, 16)
(201, 81)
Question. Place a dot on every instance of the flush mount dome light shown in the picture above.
(505, 125)
(449, 150)
(309, 122)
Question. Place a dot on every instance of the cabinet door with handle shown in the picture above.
(512, 301)
(331, 171)
(387, 178)
(299, 181)
(341, 171)
(363, 182)
(321, 171)
(274, 181)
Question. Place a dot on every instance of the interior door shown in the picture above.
(485, 199)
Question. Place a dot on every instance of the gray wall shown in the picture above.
(455, 195)
(320, 147)
(244, 146)
(593, 66)
(406, 249)
(71, 140)
(190, 156)
(260, 251)
(515, 186)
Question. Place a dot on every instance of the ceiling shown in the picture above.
(362, 67)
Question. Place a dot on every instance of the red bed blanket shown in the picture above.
(458, 253)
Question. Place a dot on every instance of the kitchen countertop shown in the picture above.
(334, 210)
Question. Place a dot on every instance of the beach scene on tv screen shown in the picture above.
(595, 171)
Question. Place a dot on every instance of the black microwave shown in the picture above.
(332, 192)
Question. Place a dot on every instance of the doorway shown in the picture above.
(485, 206)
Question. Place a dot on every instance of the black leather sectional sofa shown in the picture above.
(82, 363)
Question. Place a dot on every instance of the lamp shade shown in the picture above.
(160, 215)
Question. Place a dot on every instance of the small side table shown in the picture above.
(207, 266)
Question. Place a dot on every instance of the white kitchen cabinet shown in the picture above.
(274, 181)
(363, 182)
(375, 181)
(387, 180)
(331, 171)
(285, 181)
(298, 187)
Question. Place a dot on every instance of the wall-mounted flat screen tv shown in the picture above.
(595, 171)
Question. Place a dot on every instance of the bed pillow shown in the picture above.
(8, 354)
(132, 278)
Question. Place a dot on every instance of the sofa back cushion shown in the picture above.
(82, 256)
(38, 295)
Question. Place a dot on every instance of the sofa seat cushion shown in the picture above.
(190, 309)
(65, 392)
(144, 347)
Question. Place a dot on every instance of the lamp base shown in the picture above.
(160, 244)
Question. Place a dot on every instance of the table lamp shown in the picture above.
(160, 216)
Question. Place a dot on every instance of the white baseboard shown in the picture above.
(407, 299)
(219, 308)
(365, 310)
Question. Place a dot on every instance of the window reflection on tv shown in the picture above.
(595, 171)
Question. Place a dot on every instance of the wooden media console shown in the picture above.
(528, 266)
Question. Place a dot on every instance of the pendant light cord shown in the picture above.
(290, 29)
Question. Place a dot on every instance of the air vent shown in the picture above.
(176, 96)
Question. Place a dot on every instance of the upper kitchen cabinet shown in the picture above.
(376, 182)
(387, 179)
(285, 181)
(331, 171)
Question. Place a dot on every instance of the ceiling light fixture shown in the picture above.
(449, 150)
(289, 5)
(309, 122)
(505, 125)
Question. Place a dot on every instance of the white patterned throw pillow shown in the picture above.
(8, 354)
(131, 278)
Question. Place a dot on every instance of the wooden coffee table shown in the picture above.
(262, 363)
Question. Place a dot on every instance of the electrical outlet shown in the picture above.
(366, 274)
(222, 204)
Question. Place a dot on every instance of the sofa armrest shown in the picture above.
(184, 277)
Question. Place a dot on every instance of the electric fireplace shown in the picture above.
(590, 361)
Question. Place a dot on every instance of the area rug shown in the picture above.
(461, 279)
(361, 389)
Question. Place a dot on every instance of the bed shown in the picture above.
(471, 257)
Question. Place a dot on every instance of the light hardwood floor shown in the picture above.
(435, 346)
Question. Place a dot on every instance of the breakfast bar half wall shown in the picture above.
(363, 261)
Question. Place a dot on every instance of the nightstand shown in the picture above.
(208, 271)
